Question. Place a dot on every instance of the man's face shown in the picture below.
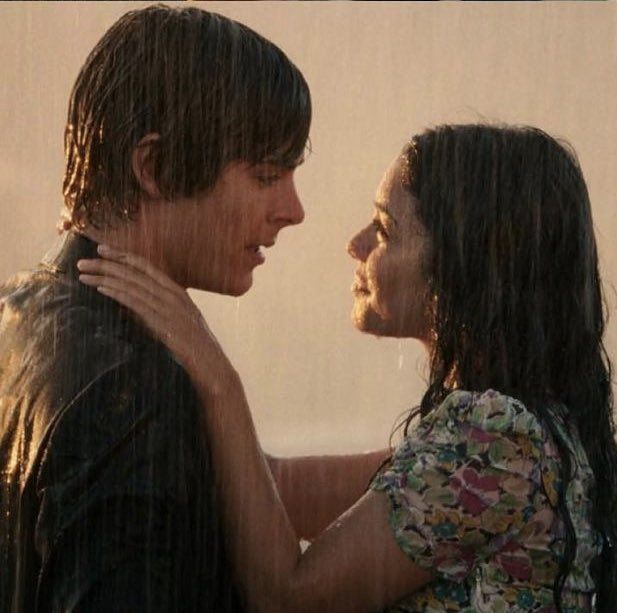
(213, 241)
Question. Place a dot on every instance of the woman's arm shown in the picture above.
(315, 490)
(355, 565)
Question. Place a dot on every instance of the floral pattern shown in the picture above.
(473, 492)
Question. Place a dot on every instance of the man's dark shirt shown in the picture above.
(106, 499)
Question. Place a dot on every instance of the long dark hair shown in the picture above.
(519, 305)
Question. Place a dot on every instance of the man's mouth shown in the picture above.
(257, 251)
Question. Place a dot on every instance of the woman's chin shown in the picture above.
(367, 320)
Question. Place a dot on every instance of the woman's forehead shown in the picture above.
(391, 192)
(396, 170)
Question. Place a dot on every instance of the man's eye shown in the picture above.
(266, 180)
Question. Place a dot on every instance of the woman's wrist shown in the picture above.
(216, 378)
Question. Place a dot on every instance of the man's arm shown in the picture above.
(317, 489)
(113, 529)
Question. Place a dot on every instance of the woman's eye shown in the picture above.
(380, 230)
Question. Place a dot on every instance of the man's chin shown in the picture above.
(236, 292)
(241, 286)
(229, 287)
(236, 288)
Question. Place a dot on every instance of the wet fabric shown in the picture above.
(473, 493)
(106, 497)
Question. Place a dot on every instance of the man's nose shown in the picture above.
(296, 210)
(359, 246)
(290, 210)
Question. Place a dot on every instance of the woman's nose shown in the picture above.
(359, 246)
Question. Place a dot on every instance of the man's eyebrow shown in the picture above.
(380, 206)
(283, 164)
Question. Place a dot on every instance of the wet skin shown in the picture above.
(390, 290)
(215, 239)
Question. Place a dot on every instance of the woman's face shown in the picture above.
(390, 291)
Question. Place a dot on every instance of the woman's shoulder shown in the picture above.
(470, 414)
(489, 429)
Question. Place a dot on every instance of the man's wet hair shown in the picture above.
(212, 88)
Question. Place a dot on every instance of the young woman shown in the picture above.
(503, 494)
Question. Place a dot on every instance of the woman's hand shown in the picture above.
(166, 310)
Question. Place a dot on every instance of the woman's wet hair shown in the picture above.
(213, 89)
(518, 304)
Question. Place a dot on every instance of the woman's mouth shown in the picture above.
(359, 288)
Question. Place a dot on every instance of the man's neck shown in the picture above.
(119, 238)
(131, 238)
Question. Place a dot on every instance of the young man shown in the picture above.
(183, 133)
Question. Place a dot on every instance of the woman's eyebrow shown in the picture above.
(381, 206)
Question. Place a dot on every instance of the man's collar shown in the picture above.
(62, 260)
(68, 249)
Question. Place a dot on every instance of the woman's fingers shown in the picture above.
(148, 277)
(144, 311)
(178, 330)
(139, 263)
(117, 269)
(121, 271)
(163, 306)
(125, 285)
(103, 271)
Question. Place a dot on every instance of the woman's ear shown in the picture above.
(143, 167)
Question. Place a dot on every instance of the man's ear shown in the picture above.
(143, 167)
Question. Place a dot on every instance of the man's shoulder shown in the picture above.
(72, 359)
(52, 326)
(50, 315)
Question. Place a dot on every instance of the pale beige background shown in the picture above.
(378, 73)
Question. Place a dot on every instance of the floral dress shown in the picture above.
(473, 494)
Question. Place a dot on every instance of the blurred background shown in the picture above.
(379, 72)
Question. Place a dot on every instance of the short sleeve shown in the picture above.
(462, 483)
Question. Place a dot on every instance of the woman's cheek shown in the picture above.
(383, 276)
